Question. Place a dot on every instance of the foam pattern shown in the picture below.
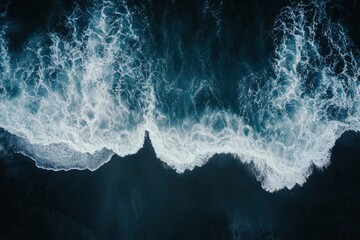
(72, 101)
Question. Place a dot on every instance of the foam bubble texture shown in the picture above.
(73, 101)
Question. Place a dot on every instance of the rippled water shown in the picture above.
(202, 78)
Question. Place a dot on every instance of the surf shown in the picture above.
(71, 101)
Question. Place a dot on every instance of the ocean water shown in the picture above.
(136, 197)
(273, 84)
(179, 119)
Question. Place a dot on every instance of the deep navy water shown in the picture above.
(137, 197)
(178, 119)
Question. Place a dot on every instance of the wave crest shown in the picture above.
(74, 100)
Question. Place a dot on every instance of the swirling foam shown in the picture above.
(73, 101)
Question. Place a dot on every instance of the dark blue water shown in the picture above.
(241, 105)
(138, 198)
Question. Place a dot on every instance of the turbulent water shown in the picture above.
(75, 95)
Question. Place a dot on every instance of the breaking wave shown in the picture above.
(71, 100)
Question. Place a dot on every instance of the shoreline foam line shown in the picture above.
(74, 100)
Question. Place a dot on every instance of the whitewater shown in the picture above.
(72, 100)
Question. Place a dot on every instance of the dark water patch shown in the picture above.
(29, 17)
(136, 197)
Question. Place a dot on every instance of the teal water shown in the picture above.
(179, 119)
(271, 84)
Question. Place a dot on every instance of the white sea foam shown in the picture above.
(79, 100)
(73, 94)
